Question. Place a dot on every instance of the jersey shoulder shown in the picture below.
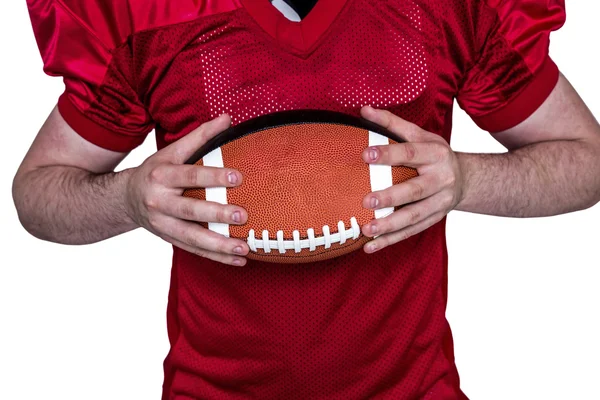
(112, 21)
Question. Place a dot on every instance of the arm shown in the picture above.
(66, 191)
(552, 167)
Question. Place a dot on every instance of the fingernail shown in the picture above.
(374, 202)
(373, 154)
(237, 216)
(373, 229)
(372, 247)
(232, 178)
(238, 250)
(237, 262)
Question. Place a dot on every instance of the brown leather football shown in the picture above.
(304, 182)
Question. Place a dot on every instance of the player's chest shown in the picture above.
(253, 61)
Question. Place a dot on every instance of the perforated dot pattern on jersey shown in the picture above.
(357, 326)
(246, 78)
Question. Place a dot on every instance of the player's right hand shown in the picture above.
(155, 202)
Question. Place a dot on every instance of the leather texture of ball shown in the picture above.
(304, 181)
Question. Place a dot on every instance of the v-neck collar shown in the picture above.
(298, 37)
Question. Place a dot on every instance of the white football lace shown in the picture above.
(310, 243)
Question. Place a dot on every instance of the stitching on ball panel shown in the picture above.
(311, 243)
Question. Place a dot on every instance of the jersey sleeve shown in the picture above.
(84, 41)
(513, 73)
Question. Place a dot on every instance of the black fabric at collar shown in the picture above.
(302, 7)
(283, 118)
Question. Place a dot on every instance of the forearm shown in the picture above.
(72, 206)
(540, 179)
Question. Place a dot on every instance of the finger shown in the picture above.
(410, 154)
(401, 127)
(412, 190)
(195, 176)
(397, 236)
(406, 216)
(192, 209)
(181, 150)
(195, 236)
(219, 257)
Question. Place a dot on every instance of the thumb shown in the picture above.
(402, 128)
(181, 150)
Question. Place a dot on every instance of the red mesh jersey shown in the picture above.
(359, 326)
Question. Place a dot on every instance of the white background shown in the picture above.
(89, 322)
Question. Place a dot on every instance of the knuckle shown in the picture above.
(379, 243)
(203, 127)
(156, 175)
(204, 131)
(382, 242)
(222, 246)
(214, 177)
(386, 200)
(388, 119)
(415, 129)
(414, 216)
(192, 175)
(190, 240)
(415, 191)
(221, 214)
(150, 203)
(201, 131)
(442, 152)
(450, 180)
(153, 221)
(385, 226)
(405, 234)
(410, 151)
(187, 211)
(200, 252)
(380, 226)
(402, 235)
(449, 201)
(411, 130)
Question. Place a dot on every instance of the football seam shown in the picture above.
(311, 242)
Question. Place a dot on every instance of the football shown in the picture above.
(304, 181)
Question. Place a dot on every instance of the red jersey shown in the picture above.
(358, 326)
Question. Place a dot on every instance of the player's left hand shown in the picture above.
(427, 198)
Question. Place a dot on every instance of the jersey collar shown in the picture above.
(298, 37)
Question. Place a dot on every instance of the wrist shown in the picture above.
(123, 181)
(465, 165)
